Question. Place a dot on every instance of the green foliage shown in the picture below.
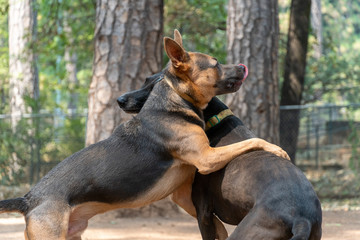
(201, 23)
(60, 26)
(332, 79)
(335, 77)
(66, 24)
(12, 153)
(37, 142)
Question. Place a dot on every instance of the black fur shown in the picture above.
(266, 196)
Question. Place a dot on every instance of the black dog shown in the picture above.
(267, 196)
(144, 160)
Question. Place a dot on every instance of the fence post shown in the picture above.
(331, 125)
(308, 136)
(317, 126)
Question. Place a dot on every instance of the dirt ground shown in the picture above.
(344, 225)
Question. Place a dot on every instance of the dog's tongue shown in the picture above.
(246, 72)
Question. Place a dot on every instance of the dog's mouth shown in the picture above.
(235, 82)
(246, 71)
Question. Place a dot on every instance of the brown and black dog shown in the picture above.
(266, 196)
(147, 158)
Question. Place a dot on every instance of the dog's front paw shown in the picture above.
(278, 151)
(281, 153)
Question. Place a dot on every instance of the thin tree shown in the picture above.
(22, 60)
(316, 24)
(128, 40)
(252, 39)
(71, 59)
(24, 81)
(294, 74)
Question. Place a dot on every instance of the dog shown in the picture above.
(265, 195)
(154, 154)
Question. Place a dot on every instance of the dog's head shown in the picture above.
(204, 74)
(198, 77)
(132, 102)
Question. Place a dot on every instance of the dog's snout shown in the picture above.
(121, 101)
(241, 67)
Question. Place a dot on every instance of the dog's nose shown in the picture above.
(121, 101)
(242, 68)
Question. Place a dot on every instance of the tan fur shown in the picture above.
(195, 149)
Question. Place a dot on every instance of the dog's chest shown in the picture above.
(174, 177)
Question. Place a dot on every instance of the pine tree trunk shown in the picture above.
(316, 24)
(128, 40)
(22, 61)
(294, 74)
(252, 33)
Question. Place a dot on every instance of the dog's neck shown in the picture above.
(164, 98)
(182, 89)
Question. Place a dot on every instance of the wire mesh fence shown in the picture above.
(327, 136)
(37, 143)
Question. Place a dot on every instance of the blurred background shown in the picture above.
(63, 64)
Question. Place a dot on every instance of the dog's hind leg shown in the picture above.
(260, 224)
(182, 197)
(221, 231)
(48, 221)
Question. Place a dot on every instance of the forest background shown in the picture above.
(64, 48)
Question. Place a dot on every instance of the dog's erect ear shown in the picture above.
(178, 38)
(175, 52)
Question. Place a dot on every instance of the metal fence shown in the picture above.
(38, 143)
(328, 136)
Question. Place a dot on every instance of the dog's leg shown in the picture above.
(182, 196)
(208, 159)
(221, 232)
(260, 224)
(48, 221)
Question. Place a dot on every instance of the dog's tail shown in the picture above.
(19, 205)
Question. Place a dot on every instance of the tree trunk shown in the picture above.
(24, 80)
(71, 70)
(252, 33)
(22, 61)
(316, 24)
(294, 74)
(128, 40)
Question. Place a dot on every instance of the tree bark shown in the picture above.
(252, 38)
(71, 70)
(128, 40)
(22, 61)
(294, 74)
(316, 24)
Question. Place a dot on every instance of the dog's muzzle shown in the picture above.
(246, 71)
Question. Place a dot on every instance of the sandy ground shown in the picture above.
(344, 225)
